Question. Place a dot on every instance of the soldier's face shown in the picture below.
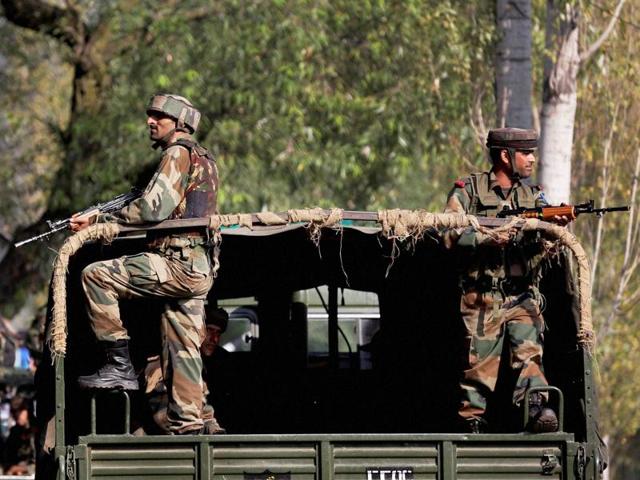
(159, 125)
(525, 160)
(211, 340)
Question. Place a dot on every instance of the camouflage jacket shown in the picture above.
(185, 185)
(480, 194)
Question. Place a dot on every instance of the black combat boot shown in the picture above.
(471, 425)
(477, 425)
(542, 419)
(116, 373)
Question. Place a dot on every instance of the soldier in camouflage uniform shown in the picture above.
(500, 301)
(177, 267)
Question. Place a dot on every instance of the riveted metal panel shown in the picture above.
(168, 462)
(377, 461)
(325, 457)
(524, 462)
(236, 462)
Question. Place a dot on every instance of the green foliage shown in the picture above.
(305, 103)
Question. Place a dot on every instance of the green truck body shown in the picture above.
(326, 457)
(303, 414)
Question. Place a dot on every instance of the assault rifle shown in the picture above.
(569, 211)
(110, 206)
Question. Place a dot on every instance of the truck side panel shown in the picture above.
(327, 457)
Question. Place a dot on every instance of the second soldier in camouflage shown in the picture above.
(500, 301)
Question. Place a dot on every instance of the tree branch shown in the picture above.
(586, 56)
(604, 193)
(477, 117)
(63, 24)
(629, 263)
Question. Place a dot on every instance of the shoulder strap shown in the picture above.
(186, 143)
(527, 195)
(195, 147)
(479, 188)
(472, 181)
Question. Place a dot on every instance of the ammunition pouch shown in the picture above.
(509, 286)
(177, 241)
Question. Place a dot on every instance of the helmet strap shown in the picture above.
(511, 152)
(164, 140)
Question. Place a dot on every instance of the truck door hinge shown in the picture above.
(581, 462)
(71, 464)
(549, 462)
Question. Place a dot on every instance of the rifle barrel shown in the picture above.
(625, 208)
(109, 206)
(42, 235)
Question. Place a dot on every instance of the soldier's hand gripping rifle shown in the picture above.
(549, 213)
(110, 206)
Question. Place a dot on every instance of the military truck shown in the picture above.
(347, 352)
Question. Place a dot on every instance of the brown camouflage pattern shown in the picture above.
(182, 321)
(519, 322)
(157, 397)
(176, 270)
(491, 317)
(185, 185)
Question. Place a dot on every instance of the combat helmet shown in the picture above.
(512, 139)
(179, 108)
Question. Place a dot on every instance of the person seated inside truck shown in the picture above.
(213, 358)
(500, 297)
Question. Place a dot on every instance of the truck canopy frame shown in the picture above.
(410, 396)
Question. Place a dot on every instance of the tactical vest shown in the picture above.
(486, 203)
(201, 196)
(492, 268)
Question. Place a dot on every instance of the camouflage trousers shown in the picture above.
(157, 399)
(181, 278)
(517, 319)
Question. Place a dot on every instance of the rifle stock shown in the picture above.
(548, 213)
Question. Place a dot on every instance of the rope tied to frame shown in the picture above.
(57, 335)
(316, 219)
(397, 225)
(216, 222)
(586, 335)
(400, 225)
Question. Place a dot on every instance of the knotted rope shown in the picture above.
(586, 335)
(57, 338)
(397, 225)
(412, 224)
(316, 220)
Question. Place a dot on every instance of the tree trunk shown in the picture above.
(513, 64)
(89, 55)
(559, 98)
(559, 106)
